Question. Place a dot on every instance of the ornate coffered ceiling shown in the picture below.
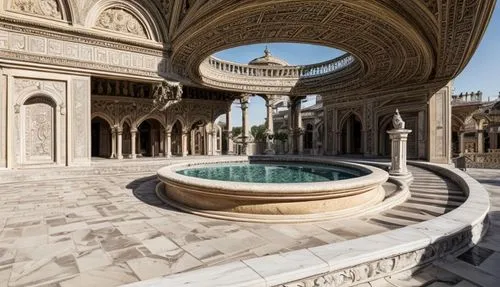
(396, 44)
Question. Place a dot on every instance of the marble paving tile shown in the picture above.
(121, 242)
(5, 275)
(46, 270)
(92, 259)
(109, 276)
(7, 256)
(237, 242)
(147, 268)
(132, 227)
(124, 255)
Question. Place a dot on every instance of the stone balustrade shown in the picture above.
(306, 71)
(217, 73)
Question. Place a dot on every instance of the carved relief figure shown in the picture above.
(48, 8)
(121, 21)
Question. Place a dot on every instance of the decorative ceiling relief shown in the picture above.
(47, 8)
(119, 20)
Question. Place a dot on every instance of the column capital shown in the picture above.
(133, 131)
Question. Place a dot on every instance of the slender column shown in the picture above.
(270, 127)
(480, 141)
(168, 144)
(193, 142)
(291, 144)
(461, 142)
(184, 143)
(210, 150)
(120, 144)
(113, 143)
(133, 134)
(245, 128)
(214, 141)
(299, 131)
(229, 131)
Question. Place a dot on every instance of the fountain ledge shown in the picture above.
(360, 260)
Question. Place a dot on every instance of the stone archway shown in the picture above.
(101, 137)
(352, 137)
(198, 138)
(149, 138)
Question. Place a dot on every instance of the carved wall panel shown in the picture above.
(3, 120)
(122, 21)
(44, 8)
(83, 54)
(38, 140)
(440, 126)
(81, 119)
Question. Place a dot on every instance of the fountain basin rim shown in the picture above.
(375, 176)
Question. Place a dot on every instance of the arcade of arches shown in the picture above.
(127, 79)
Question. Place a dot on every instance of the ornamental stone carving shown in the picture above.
(122, 21)
(47, 8)
(166, 94)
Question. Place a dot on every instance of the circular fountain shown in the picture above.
(279, 190)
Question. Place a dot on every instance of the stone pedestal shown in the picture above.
(399, 139)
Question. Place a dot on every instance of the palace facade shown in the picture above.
(125, 79)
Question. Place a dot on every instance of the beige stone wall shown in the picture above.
(439, 121)
(48, 118)
(3, 120)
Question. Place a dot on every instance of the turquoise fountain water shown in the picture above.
(272, 173)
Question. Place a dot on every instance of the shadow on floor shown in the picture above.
(144, 190)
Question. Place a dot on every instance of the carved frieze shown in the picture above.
(46, 8)
(119, 20)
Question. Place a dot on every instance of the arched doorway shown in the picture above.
(149, 138)
(101, 138)
(176, 145)
(198, 138)
(351, 135)
(38, 131)
(308, 137)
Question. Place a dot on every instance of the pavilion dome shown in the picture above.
(268, 60)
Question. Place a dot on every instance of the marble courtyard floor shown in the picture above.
(104, 226)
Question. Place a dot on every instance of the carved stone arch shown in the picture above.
(38, 132)
(103, 116)
(128, 18)
(177, 118)
(347, 115)
(47, 97)
(457, 123)
(147, 117)
(200, 117)
(59, 10)
(127, 120)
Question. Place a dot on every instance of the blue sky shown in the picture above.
(482, 73)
